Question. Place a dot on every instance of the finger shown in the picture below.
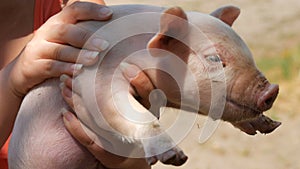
(107, 159)
(67, 95)
(67, 81)
(67, 53)
(75, 36)
(52, 68)
(138, 79)
(142, 84)
(74, 127)
(84, 11)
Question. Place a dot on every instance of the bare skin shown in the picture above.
(40, 65)
(89, 142)
(142, 86)
(247, 124)
(38, 62)
(10, 45)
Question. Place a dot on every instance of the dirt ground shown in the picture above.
(269, 27)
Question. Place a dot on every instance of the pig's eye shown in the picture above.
(214, 58)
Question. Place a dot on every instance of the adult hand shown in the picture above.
(143, 87)
(56, 45)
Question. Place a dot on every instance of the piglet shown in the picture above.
(194, 60)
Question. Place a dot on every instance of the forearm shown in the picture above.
(9, 104)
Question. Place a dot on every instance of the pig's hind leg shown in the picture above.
(40, 140)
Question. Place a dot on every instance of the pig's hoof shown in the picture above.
(152, 160)
(174, 157)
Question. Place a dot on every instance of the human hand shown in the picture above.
(56, 45)
(143, 87)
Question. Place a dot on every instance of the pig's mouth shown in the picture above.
(250, 119)
(253, 112)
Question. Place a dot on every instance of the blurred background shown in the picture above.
(271, 28)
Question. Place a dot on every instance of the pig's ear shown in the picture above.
(227, 14)
(173, 26)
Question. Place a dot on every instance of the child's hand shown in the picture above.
(55, 47)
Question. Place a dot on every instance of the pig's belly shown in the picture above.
(40, 140)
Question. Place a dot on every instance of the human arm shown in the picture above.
(52, 51)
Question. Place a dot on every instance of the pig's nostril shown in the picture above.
(269, 101)
(267, 98)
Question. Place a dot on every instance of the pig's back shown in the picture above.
(120, 11)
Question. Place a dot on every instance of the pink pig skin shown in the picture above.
(40, 140)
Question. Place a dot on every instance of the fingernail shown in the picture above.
(105, 11)
(68, 115)
(63, 77)
(66, 91)
(61, 86)
(100, 43)
(64, 110)
(91, 55)
(129, 70)
(76, 68)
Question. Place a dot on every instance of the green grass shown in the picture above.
(284, 67)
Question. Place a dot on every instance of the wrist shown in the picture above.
(8, 83)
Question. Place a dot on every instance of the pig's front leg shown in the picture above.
(157, 144)
(154, 145)
(131, 124)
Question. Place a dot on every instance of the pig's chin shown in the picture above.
(236, 112)
(248, 119)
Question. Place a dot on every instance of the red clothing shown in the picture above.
(43, 10)
(3, 155)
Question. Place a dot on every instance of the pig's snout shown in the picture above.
(267, 97)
